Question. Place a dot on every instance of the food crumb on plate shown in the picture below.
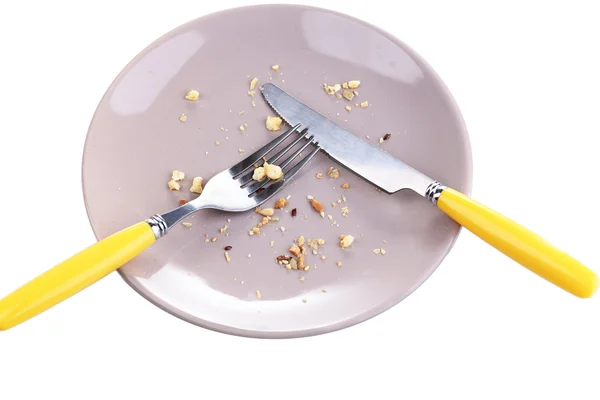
(214, 239)
(279, 204)
(173, 185)
(339, 264)
(177, 176)
(273, 123)
(227, 258)
(345, 186)
(304, 300)
(192, 95)
(318, 207)
(387, 136)
(348, 108)
(275, 67)
(253, 83)
(187, 224)
(196, 185)
(319, 175)
(258, 295)
(242, 128)
(364, 104)
(346, 241)
(333, 173)
(183, 117)
(353, 84)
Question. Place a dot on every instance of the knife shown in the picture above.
(391, 175)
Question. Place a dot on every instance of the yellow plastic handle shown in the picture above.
(74, 274)
(520, 244)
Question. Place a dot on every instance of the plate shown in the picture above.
(136, 139)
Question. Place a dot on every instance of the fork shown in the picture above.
(230, 190)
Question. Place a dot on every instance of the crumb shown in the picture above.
(249, 255)
(382, 251)
(224, 229)
(345, 211)
(279, 204)
(272, 243)
(173, 185)
(318, 207)
(178, 176)
(272, 171)
(295, 250)
(227, 258)
(183, 117)
(353, 84)
(182, 202)
(196, 185)
(192, 95)
(206, 240)
(323, 257)
(304, 300)
(309, 197)
(301, 262)
(348, 95)
(259, 174)
(217, 143)
(301, 278)
(348, 108)
(346, 241)
(275, 219)
(345, 186)
(251, 94)
(339, 264)
(214, 239)
(187, 224)
(223, 129)
(364, 104)
(253, 103)
(339, 96)
(323, 290)
(258, 295)
(333, 173)
(242, 128)
(377, 251)
(273, 123)
(253, 83)
(345, 85)
(332, 89)
(294, 212)
(387, 136)
(380, 140)
(227, 248)
(242, 112)
(266, 212)
(282, 229)
(275, 68)
(307, 268)
(320, 175)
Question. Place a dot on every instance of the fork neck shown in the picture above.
(162, 223)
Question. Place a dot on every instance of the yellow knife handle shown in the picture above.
(515, 241)
(74, 274)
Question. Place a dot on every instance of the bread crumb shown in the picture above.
(377, 251)
(258, 295)
(273, 123)
(213, 239)
(227, 258)
(333, 173)
(242, 128)
(173, 185)
(295, 250)
(217, 143)
(267, 212)
(345, 211)
(348, 95)
(318, 207)
(380, 140)
(272, 243)
(183, 117)
(196, 185)
(279, 204)
(187, 224)
(323, 257)
(353, 84)
(301, 278)
(339, 96)
(275, 68)
(224, 229)
(253, 83)
(178, 176)
(345, 85)
(348, 108)
(364, 104)
(339, 264)
(320, 175)
(345, 186)
(323, 290)
(332, 89)
(192, 95)
(282, 229)
(346, 241)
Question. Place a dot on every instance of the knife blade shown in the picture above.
(392, 175)
(368, 161)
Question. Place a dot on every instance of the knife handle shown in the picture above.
(516, 242)
(74, 274)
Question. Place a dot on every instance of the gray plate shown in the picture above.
(136, 139)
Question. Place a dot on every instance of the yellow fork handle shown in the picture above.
(74, 274)
(519, 243)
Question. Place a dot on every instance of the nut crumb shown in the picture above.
(279, 204)
(331, 89)
(318, 207)
(267, 212)
(273, 123)
(364, 104)
(253, 83)
(187, 224)
(345, 85)
(333, 173)
(227, 258)
(192, 95)
(307, 268)
(173, 185)
(387, 136)
(353, 84)
(227, 248)
(258, 295)
(294, 212)
(346, 241)
(196, 185)
(345, 186)
(320, 175)
(183, 117)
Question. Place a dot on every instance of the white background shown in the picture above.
(526, 77)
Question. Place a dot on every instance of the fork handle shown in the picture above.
(517, 242)
(74, 274)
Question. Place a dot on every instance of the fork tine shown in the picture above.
(288, 177)
(249, 161)
(258, 185)
(247, 179)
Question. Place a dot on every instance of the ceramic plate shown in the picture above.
(136, 139)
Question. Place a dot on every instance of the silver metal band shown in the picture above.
(434, 191)
(158, 225)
